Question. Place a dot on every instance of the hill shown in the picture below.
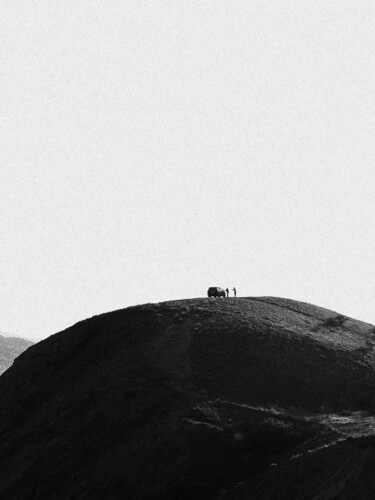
(193, 399)
(10, 348)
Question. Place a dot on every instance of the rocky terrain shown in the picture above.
(10, 348)
(245, 398)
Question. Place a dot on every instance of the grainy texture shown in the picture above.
(10, 348)
(185, 399)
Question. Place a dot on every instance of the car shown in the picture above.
(216, 291)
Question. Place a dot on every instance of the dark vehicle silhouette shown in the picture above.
(216, 291)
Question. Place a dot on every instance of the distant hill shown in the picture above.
(194, 399)
(10, 348)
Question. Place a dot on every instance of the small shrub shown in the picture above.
(336, 320)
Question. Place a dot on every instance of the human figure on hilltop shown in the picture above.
(227, 290)
(234, 291)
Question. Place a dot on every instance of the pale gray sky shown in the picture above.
(151, 149)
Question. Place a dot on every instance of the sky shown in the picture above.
(151, 149)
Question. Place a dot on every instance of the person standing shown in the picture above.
(227, 290)
(234, 291)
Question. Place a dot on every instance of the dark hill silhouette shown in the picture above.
(185, 399)
(10, 348)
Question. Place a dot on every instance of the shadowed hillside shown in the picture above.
(186, 399)
(10, 348)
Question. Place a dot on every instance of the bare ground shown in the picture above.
(186, 399)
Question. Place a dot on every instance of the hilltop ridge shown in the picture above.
(181, 399)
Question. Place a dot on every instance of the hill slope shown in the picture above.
(183, 399)
(10, 348)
